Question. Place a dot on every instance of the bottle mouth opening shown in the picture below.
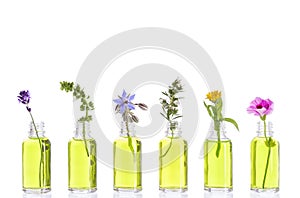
(36, 127)
(261, 127)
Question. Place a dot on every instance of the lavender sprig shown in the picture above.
(24, 98)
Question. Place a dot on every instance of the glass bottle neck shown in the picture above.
(82, 130)
(127, 129)
(36, 130)
(263, 130)
(214, 134)
(174, 129)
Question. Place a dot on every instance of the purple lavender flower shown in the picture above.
(24, 98)
(125, 102)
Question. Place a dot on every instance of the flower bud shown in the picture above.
(143, 106)
(135, 119)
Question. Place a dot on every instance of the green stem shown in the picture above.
(269, 153)
(170, 145)
(217, 128)
(84, 136)
(219, 145)
(130, 140)
(42, 154)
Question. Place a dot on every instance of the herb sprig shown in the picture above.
(170, 103)
(86, 105)
(170, 109)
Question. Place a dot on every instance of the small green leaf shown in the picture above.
(208, 108)
(270, 142)
(164, 116)
(232, 121)
(165, 93)
(177, 117)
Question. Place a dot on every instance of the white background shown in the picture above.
(254, 44)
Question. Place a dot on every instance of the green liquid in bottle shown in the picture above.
(82, 168)
(127, 165)
(218, 170)
(173, 164)
(36, 175)
(259, 155)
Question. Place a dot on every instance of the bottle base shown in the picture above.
(225, 190)
(82, 190)
(173, 190)
(36, 190)
(261, 190)
(129, 190)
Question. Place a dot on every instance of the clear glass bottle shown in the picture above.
(264, 160)
(82, 161)
(36, 161)
(218, 161)
(173, 160)
(127, 160)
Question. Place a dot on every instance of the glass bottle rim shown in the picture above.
(124, 131)
(39, 126)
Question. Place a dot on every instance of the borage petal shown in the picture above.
(118, 101)
(124, 94)
(122, 109)
(131, 106)
(131, 97)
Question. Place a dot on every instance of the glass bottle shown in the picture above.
(218, 161)
(127, 160)
(36, 161)
(264, 160)
(82, 161)
(173, 160)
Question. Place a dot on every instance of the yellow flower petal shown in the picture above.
(213, 96)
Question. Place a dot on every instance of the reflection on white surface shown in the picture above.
(37, 195)
(128, 195)
(264, 195)
(82, 195)
(218, 194)
(173, 195)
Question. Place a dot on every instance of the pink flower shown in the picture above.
(261, 107)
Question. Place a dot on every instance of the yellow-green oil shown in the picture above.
(173, 164)
(218, 170)
(259, 155)
(36, 175)
(82, 167)
(127, 164)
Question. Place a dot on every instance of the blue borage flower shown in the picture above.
(125, 102)
(125, 105)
